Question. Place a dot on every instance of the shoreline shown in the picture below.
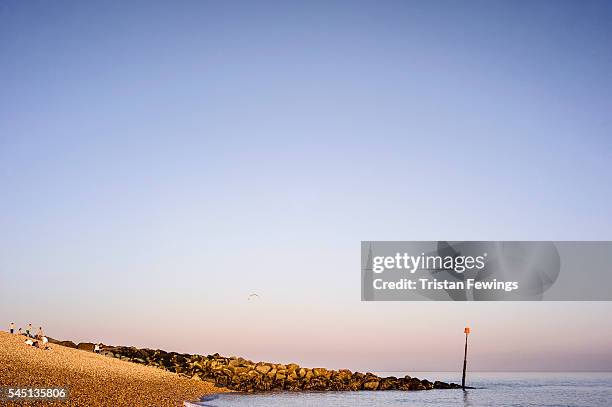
(128, 376)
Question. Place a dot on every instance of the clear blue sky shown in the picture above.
(159, 161)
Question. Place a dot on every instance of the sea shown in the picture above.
(499, 389)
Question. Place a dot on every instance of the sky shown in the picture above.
(160, 161)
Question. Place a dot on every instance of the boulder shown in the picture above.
(319, 371)
(371, 385)
(263, 369)
(86, 346)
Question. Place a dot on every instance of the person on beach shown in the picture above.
(28, 330)
(97, 348)
(12, 328)
(19, 332)
(45, 343)
(39, 334)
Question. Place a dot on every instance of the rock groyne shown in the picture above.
(239, 374)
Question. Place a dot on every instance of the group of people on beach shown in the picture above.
(38, 340)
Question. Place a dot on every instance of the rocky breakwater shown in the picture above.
(244, 375)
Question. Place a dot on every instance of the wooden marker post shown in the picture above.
(466, 331)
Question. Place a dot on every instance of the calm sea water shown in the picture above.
(492, 389)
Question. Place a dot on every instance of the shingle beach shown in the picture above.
(93, 380)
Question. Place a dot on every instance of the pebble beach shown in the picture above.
(93, 379)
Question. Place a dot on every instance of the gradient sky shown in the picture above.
(160, 161)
